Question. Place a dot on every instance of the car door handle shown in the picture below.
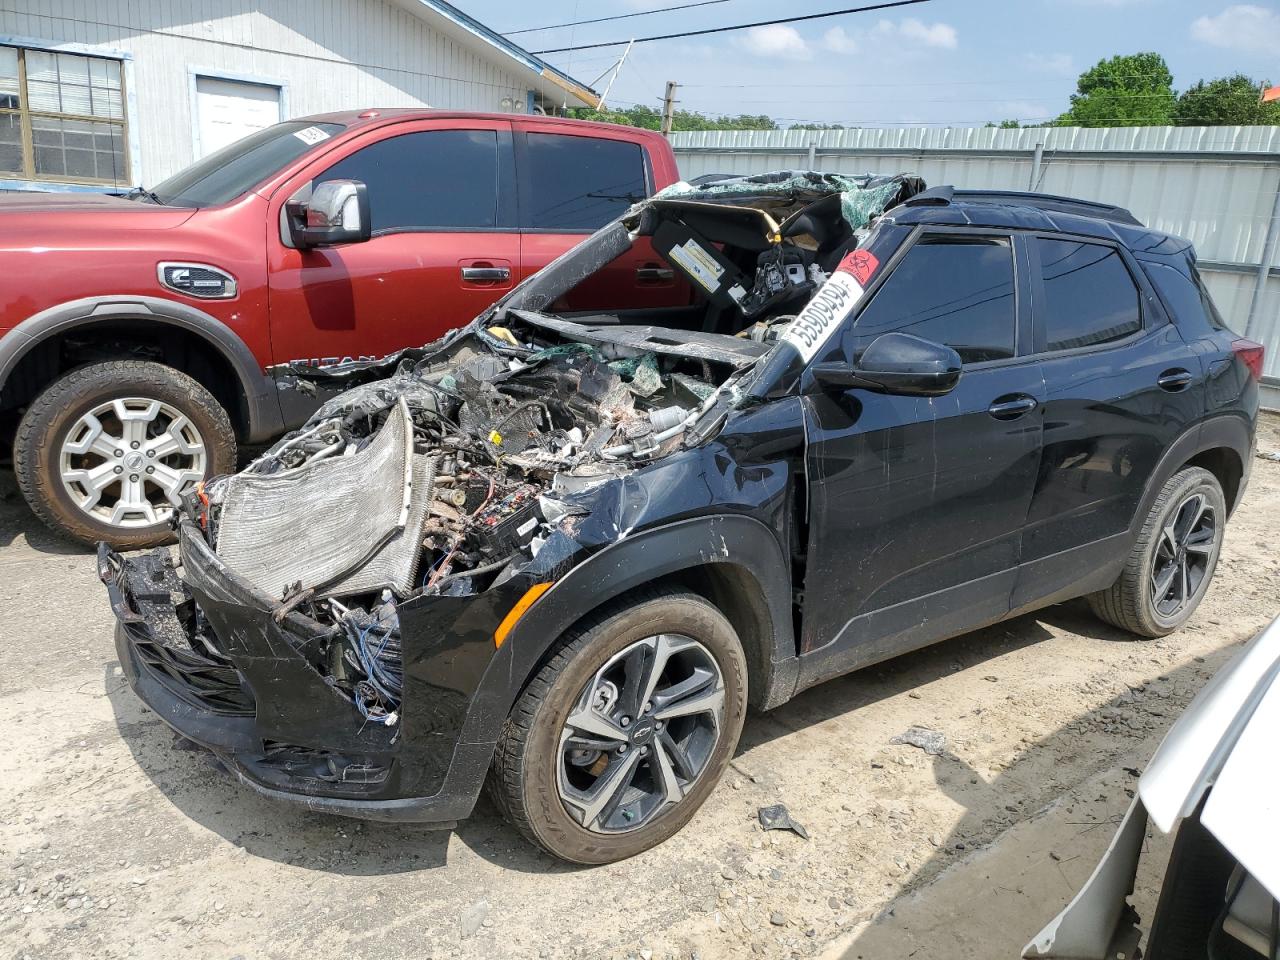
(654, 274)
(1175, 380)
(486, 273)
(1011, 408)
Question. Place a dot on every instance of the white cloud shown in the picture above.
(838, 40)
(777, 40)
(1242, 26)
(1054, 64)
(940, 35)
(931, 35)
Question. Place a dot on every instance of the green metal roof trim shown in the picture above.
(514, 51)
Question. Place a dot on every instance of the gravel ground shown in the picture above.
(116, 840)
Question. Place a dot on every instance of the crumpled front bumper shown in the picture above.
(240, 686)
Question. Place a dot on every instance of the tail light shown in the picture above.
(1251, 354)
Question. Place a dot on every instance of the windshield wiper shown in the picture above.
(142, 193)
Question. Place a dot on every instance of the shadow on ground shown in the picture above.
(192, 781)
(1094, 734)
(18, 522)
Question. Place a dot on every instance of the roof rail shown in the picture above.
(943, 196)
(1050, 202)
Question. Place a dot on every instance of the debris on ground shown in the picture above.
(1272, 455)
(777, 817)
(930, 741)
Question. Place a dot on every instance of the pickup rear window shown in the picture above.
(235, 169)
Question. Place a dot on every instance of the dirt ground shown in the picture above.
(118, 841)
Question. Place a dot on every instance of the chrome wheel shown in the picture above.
(1183, 556)
(640, 734)
(128, 462)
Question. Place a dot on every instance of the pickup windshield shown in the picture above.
(222, 176)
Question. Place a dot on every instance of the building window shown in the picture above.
(61, 117)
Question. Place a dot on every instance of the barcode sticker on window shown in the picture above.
(311, 135)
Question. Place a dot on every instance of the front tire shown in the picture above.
(107, 451)
(625, 731)
(1172, 562)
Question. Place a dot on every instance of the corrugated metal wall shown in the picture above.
(331, 54)
(1215, 185)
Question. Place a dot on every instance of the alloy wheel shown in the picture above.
(1183, 555)
(128, 461)
(640, 733)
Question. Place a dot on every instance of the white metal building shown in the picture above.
(107, 94)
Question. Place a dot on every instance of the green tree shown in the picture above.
(1227, 101)
(1130, 90)
(817, 126)
(651, 119)
(1005, 124)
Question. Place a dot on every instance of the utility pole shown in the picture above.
(668, 107)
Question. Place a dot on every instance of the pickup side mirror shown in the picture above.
(336, 212)
(897, 363)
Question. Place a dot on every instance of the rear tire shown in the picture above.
(547, 779)
(75, 451)
(1173, 559)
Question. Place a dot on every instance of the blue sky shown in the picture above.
(956, 62)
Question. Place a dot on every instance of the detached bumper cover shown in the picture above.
(203, 651)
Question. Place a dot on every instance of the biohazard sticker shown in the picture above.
(862, 264)
(830, 305)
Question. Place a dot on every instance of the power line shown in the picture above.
(739, 26)
(621, 16)
(1114, 96)
(905, 83)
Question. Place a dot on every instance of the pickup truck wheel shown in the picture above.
(621, 736)
(107, 451)
(1172, 561)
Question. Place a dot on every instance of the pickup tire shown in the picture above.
(590, 770)
(1173, 559)
(100, 450)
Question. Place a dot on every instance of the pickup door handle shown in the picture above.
(654, 274)
(486, 273)
(1174, 380)
(1011, 408)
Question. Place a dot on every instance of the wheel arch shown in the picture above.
(735, 562)
(1220, 444)
(200, 345)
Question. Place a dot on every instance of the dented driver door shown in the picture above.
(917, 504)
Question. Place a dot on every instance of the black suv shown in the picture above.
(563, 553)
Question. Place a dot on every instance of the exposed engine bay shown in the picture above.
(444, 470)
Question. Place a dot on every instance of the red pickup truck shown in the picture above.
(136, 331)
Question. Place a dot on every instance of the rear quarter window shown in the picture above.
(1185, 295)
(1089, 295)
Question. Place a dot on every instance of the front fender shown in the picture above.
(738, 541)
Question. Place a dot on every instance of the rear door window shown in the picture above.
(957, 291)
(429, 180)
(579, 183)
(1089, 295)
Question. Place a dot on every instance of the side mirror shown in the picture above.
(897, 363)
(336, 212)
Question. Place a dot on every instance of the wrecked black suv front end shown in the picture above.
(349, 619)
(214, 657)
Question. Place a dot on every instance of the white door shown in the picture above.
(227, 110)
